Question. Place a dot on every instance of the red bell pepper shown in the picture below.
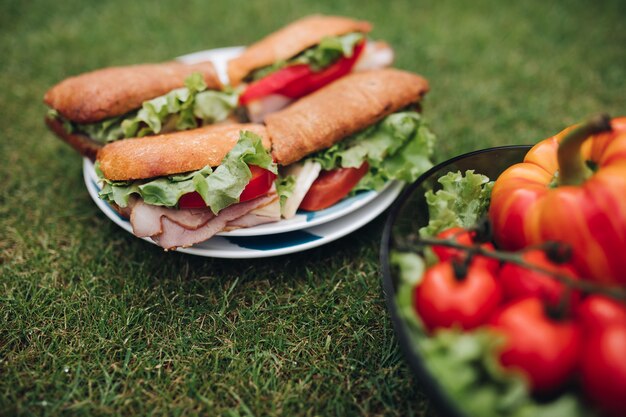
(570, 188)
(295, 81)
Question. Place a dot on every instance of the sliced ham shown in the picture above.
(172, 228)
(267, 214)
(146, 219)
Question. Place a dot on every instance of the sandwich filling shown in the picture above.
(398, 147)
(181, 109)
(275, 86)
(240, 191)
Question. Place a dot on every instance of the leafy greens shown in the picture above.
(218, 188)
(461, 201)
(398, 147)
(318, 57)
(180, 109)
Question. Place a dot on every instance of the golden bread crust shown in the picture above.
(290, 41)
(109, 92)
(340, 109)
(82, 144)
(172, 153)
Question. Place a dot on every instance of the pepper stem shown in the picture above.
(572, 168)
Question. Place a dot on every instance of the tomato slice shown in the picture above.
(295, 81)
(191, 201)
(259, 184)
(332, 186)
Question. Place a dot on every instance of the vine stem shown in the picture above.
(584, 285)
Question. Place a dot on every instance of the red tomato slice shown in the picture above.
(191, 201)
(259, 184)
(332, 186)
(296, 81)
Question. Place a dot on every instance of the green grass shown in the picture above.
(95, 322)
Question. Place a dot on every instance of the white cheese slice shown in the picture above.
(305, 173)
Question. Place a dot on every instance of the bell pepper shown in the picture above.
(570, 188)
(295, 81)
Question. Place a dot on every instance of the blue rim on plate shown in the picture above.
(407, 215)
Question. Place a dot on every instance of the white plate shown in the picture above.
(260, 246)
(302, 219)
(219, 57)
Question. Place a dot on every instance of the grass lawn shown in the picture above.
(95, 322)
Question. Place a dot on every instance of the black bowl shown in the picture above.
(408, 214)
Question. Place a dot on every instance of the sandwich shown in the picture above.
(355, 134)
(182, 188)
(94, 108)
(301, 58)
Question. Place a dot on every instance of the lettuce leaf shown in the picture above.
(398, 147)
(285, 186)
(179, 109)
(219, 188)
(461, 201)
(318, 57)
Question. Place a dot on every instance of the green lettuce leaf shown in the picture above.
(462, 200)
(284, 188)
(179, 109)
(318, 57)
(219, 188)
(398, 147)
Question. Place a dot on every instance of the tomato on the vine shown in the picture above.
(464, 237)
(596, 312)
(519, 281)
(546, 350)
(443, 300)
(603, 369)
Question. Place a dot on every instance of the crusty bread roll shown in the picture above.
(108, 92)
(172, 153)
(340, 109)
(290, 41)
(82, 144)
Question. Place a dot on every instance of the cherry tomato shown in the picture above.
(464, 237)
(295, 81)
(259, 184)
(596, 312)
(520, 282)
(332, 186)
(603, 369)
(443, 300)
(545, 350)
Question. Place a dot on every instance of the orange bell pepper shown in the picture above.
(570, 188)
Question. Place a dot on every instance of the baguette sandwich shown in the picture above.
(94, 108)
(182, 188)
(301, 58)
(355, 134)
